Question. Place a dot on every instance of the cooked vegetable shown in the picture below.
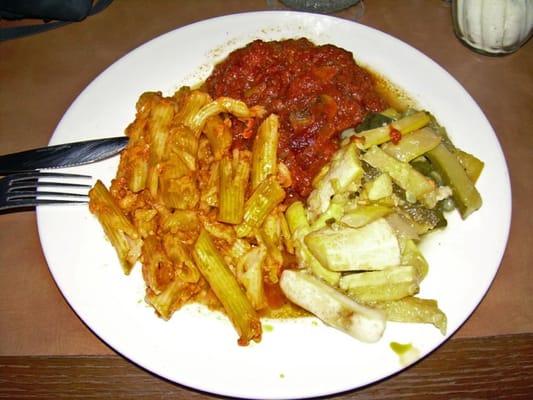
(379, 188)
(414, 309)
(371, 247)
(373, 120)
(332, 307)
(412, 145)
(344, 169)
(227, 289)
(422, 219)
(402, 226)
(377, 278)
(411, 255)
(392, 291)
(389, 284)
(472, 165)
(401, 173)
(466, 196)
(175, 294)
(363, 215)
(299, 228)
(376, 136)
(332, 214)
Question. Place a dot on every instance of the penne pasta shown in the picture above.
(157, 268)
(227, 289)
(263, 200)
(179, 254)
(182, 144)
(178, 220)
(250, 274)
(192, 102)
(120, 231)
(177, 293)
(219, 136)
(234, 174)
(222, 104)
(265, 147)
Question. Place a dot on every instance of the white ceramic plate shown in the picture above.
(298, 358)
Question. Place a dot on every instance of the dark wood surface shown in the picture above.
(475, 368)
(47, 352)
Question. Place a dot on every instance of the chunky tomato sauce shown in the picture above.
(317, 92)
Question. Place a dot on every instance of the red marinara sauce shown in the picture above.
(317, 92)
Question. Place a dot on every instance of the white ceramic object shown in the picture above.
(296, 358)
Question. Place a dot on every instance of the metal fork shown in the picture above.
(22, 190)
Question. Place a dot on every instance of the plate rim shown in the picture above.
(116, 64)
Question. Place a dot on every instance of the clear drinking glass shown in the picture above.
(321, 6)
(494, 27)
(349, 9)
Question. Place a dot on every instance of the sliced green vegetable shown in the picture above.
(391, 113)
(379, 188)
(466, 196)
(371, 247)
(386, 276)
(421, 218)
(388, 292)
(414, 309)
(389, 284)
(412, 145)
(373, 120)
(411, 122)
(345, 169)
(412, 256)
(401, 173)
(332, 214)
(382, 134)
(364, 215)
(473, 166)
(299, 227)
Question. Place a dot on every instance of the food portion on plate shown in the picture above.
(287, 184)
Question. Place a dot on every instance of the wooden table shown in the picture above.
(47, 352)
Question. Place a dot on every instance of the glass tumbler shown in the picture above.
(493, 27)
(321, 6)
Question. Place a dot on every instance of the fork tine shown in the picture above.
(24, 184)
(24, 194)
(39, 174)
(31, 179)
